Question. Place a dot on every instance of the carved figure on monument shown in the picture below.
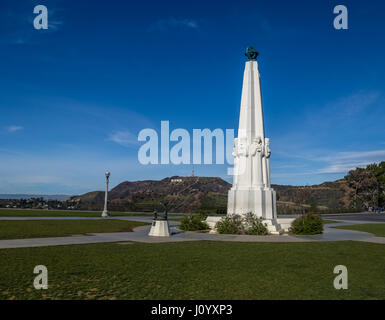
(256, 146)
(267, 148)
(242, 149)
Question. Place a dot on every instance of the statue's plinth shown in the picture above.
(159, 228)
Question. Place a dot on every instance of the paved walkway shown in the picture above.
(140, 234)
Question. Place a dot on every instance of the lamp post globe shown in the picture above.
(105, 211)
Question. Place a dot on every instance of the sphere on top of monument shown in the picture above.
(251, 54)
(107, 174)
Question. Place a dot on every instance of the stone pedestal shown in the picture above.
(159, 228)
(259, 201)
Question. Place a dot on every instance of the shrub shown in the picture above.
(254, 225)
(230, 225)
(235, 224)
(193, 222)
(307, 224)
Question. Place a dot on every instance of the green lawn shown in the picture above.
(66, 213)
(58, 228)
(325, 221)
(195, 270)
(378, 229)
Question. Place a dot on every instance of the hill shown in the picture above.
(208, 195)
(180, 194)
(35, 196)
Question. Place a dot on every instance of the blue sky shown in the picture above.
(74, 97)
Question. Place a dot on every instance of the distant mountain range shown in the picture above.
(208, 195)
(29, 196)
(180, 194)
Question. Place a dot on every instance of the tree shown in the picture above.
(367, 186)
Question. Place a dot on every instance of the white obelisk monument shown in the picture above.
(251, 191)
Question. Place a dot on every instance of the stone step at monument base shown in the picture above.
(273, 227)
(285, 223)
(212, 221)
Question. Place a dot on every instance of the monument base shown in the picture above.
(159, 228)
(274, 226)
(257, 200)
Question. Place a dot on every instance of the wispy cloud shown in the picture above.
(124, 138)
(316, 165)
(353, 104)
(375, 155)
(12, 129)
(343, 111)
(345, 161)
(165, 24)
(55, 21)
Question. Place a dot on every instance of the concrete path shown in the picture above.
(362, 217)
(360, 236)
(140, 234)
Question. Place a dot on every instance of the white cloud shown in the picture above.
(12, 129)
(342, 162)
(314, 162)
(54, 25)
(375, 155)
(124, 138)
(342, 167)
(355, 103)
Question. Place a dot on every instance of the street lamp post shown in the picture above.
(105, 212)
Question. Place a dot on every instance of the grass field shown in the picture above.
(58, 228)
(325, 221)
(66, 213)
(195, 270)
(378, 229)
